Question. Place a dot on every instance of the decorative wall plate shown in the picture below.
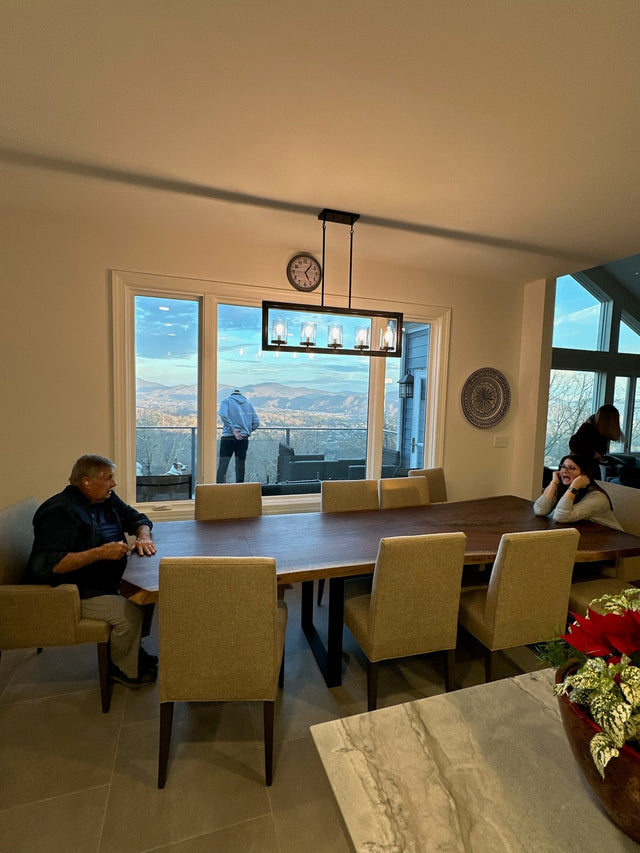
(485, 397)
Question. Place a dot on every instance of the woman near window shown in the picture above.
(593, 437)
(572, 495)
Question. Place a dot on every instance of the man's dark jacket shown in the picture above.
(67, 522)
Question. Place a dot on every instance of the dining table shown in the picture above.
(309, 546)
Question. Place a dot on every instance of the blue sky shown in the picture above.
(167, 348)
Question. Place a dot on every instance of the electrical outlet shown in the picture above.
(501, 441)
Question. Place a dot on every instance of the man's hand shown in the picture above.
(112, 551)
(144, 547)
(237, 434)
(143, 544)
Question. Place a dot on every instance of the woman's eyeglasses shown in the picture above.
(569, 470)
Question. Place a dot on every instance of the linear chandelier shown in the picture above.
(298, 327)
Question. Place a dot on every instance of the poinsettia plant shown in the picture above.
(606, 645)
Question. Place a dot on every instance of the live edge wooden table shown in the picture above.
(313, 545)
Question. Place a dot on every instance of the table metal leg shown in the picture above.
(329, 658)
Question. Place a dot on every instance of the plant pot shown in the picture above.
(619, 792)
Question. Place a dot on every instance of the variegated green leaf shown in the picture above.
(612, 716)
(602, 751)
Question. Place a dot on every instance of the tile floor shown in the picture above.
(74, 780)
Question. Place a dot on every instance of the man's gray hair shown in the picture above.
(90, 465)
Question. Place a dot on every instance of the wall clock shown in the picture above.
(485, 397)
(304, 272)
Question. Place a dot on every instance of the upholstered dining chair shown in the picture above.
(435, 481)
(612, 579)
(397, 492)
(221, 639)
(346, 496)
(528, 592)
(36, 615)
(217, 501)
(413, 605)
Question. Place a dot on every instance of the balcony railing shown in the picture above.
(172, 450)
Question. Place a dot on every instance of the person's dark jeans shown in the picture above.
(230, 445)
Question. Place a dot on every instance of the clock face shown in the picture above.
(304, 272)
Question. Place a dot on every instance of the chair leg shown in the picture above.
(103, 670)
(489, 664)
(268, 715)
(449, 669)
(320, 591)
(39, 650)
(281, 674)
(373, 668)
(147, 619)
(166, 721)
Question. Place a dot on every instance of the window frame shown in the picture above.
(127, 285)
(606, 362)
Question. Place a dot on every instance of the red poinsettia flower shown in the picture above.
(605, 635)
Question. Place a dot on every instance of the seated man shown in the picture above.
(80, 539)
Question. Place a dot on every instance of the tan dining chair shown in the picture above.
(346, 496)
(435, 481)
(528, 592)
(217, 501)
(221, 639)
(398, 492)
(413, 605)
(37, 615)
(625, 573)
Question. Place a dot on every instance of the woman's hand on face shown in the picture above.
(555, 480)
(580, 482)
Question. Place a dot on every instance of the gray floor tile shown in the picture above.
(215, 779)
(253, 836)
(304, 810)
(70, 824)
(55, 746)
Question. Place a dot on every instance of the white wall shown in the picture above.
(56, 384)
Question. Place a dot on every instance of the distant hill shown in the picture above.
(274, 402)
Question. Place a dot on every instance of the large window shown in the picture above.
(596, 360)
(313, 408)
(578, 315)
(179, 350)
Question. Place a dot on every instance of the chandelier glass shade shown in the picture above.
(298, 327)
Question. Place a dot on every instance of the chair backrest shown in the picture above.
(626, 508)
(436, 482)
(349, 495)
(626, 505)
(16, 539)
(415, 594)
(217, 501)
(528, 593)
(217, 629)
(397, 492)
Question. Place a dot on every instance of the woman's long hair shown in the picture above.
(584, 465)
(607, 421)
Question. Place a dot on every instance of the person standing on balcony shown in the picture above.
(592, 438)
(239, 420)
(80, 539)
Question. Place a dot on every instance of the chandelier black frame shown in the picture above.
(375, 333)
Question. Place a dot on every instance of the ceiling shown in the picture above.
(490, 138)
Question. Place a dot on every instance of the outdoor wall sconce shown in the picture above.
(405, 386)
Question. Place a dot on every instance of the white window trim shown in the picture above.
(126, 285)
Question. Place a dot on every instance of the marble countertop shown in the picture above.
(487, 769)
